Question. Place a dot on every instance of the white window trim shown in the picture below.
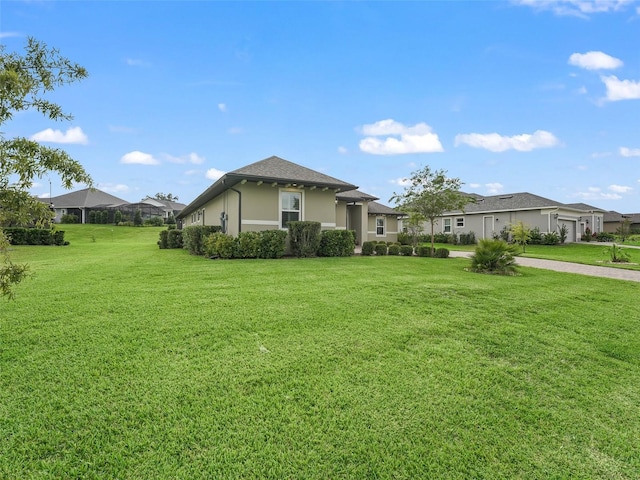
(455, 221)
(302, 200)
(444, 225)
(384, 227)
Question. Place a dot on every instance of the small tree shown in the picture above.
(24, 82)
(521, 234)
(624, 230)
(137, 218)
(117, 217)
(166, 196)
(431, 194)
(564, 232)
(415, 227)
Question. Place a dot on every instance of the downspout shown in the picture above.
(239, 208)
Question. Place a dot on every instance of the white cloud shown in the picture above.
(621, 89)
(594, 61)
(620, 188)
(597, 195)
(600, 154)
(494, 188)
(235, 130)
(73, 135)
(222, 107)
(192, 158)
(342, 150)
(9, 34)
(135, 62)
(114, 188)
(137, 157)
(576, 8)
(629, 152)
(418, 138)
(403, 182)
(475, 185)
(214, 174)
(495, 142)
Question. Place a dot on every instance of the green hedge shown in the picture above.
(193, 237)
(34, 236)
(337, 243)
(304, 238)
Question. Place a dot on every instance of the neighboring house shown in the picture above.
(267, 194)
(487, 216)
(614, 220)
(79, 203)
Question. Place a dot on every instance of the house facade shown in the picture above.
(488, 216)
(614, 220)
(267, 194)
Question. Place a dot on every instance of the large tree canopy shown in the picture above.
(430, 194)
(25, 79)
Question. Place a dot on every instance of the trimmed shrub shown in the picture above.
(380, 248)
(193, 237)
(154, 222)
(337, 243)
(605, 237)
(452, 238)
(424, 251)
(551, 238)
(69, 218)
(494, 256)
(404, 238)
(437, 238)
(137, 218)
(536, 237)
(468, 238)
(163, 241)
(304, 238)
(272, 243)
(368, 247)
(406, 250)
(586, 236)
(34, 236)
(117, 217)
(394, 250)
(247, 245)
(441, 253)
(174, 238)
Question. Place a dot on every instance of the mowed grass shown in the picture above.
(120, 360)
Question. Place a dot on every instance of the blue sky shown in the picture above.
(509, 96)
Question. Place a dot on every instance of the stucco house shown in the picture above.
(80, 202)
(614, 220)
(487, 216)
(267, 194)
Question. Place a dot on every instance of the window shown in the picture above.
(379, 226)
(290, 211)
(446, 225)
(460, 222)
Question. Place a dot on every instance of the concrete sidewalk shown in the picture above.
(591, 270)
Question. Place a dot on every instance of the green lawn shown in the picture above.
(120, 360)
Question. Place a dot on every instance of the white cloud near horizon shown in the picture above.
(214, 174)
(575, 8)
(400, 139)
(402, 182)
(114, 188)
(139, 158)
(595, 193)
(595, 61)
(495, 142)
(629, 152)
(620, 188)
(620, 89)
(192, 158)
(74, 135)
(494, 188)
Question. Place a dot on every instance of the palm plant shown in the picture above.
(494, 256)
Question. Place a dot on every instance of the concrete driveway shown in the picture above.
(591, 270)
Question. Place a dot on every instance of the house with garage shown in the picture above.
(488, 216)
(267, 194)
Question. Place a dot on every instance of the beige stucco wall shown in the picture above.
(390, 230)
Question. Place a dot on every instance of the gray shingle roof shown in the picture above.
(355, 196)
(85, 198)
(511, 201)
(613, 216)
(376, 208)
(272, 169)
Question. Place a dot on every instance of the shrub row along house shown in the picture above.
(489, 216)
(267, 194)
(82, 202)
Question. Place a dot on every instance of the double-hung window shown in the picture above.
(379, 226)
(290, 207)
(446, 225)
